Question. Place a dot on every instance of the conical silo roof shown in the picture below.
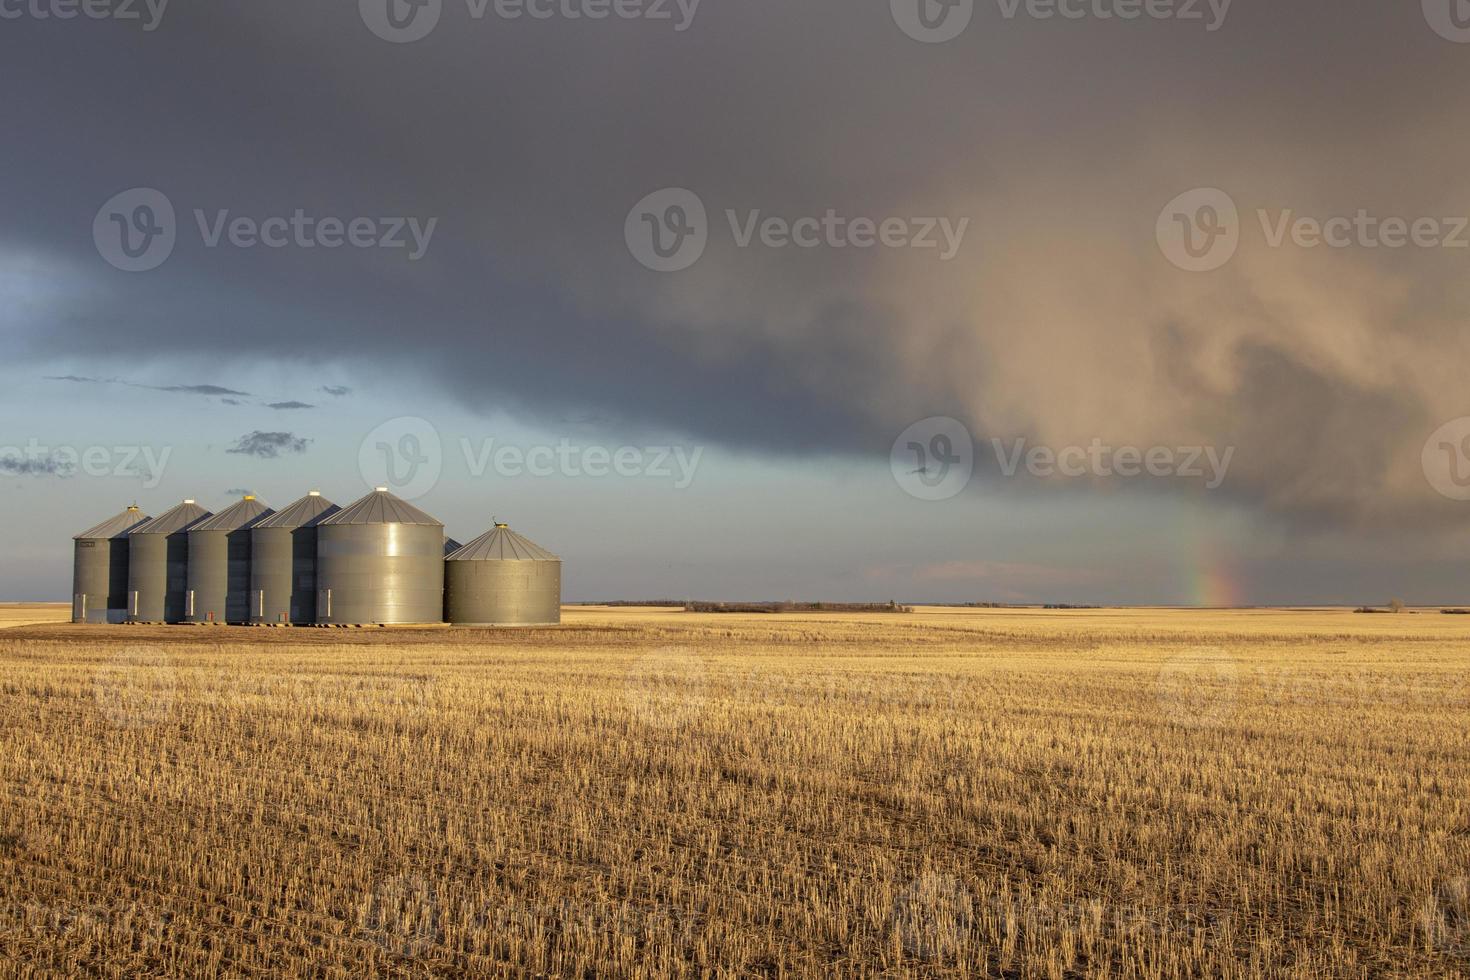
(115, 527)
(247, 513)
(183, 517)
(309, 511)
(500, 543)
(450, 546)
(380, 507)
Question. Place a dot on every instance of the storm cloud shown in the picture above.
(1060, 318)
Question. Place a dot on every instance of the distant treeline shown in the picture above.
(780, 607)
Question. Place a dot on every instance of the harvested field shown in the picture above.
(1140, 793)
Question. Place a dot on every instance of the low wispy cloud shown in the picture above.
(269, 445)
(47, 466)
(237, 492)
(231, 401)
(336, 391)
(191, 389)
(177, 389)
(288, 406)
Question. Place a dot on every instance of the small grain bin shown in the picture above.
(502, 579)
(158, 565)
(99, 584)
(381, 560)
(283, 562)
(219, 564)
(450, 546)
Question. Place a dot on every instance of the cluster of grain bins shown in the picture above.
(378, 561)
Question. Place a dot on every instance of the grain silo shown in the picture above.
(158, 565)
(283, 562)
(381, 560)
(99, 589)
(219, 564)
(502, 579)
(450, 546)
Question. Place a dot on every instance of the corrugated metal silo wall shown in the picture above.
(380, 573)
(91, 580)
(117, 580)
(237, 599)
(148, 578)
(208, 576)
(283, 575)
(175, 600)
(488, 593)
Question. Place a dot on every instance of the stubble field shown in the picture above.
(651, 792)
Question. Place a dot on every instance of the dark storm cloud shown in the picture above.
(288, 406)
(178, 389)
(1060, 320)
(269, 445)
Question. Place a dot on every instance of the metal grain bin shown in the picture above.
(158, 565)
(502, 579)
(381, 560)
(283, 562)
(450, 546)
(219, 564)
(99, 589)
